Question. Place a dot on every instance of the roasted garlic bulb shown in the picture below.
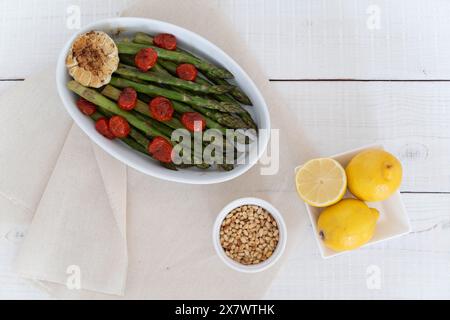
(92, 59)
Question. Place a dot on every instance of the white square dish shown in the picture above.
(393, 221)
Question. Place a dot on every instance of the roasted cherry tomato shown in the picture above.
(102, 126)
(187, 71)
(166, 41)
(119, 126)
(127, 99)
(160, 149)
(193, 121)
(161, 108)
(86, 107)
(145, 59)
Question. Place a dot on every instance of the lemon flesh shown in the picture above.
(347, 225)
(321, 182)
(374, 175)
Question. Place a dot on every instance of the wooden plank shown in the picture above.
(411, 119)
(341, 39)
(4, 85)
(34, 31)
(292, 39)
(414, 266)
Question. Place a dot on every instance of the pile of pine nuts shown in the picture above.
(249, 234)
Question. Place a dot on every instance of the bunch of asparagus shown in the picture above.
(210, 94)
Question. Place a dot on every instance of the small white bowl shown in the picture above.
(281, 241)
(197, 45)
(393, 221)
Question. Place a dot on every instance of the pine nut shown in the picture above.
(249, 234)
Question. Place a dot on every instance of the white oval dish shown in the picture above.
(281, 246)
(199, 46)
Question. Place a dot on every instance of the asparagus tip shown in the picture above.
(220, 89)
(232, 107)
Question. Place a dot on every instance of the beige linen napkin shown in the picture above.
(78, 227)
(80, 220)
(32, 131)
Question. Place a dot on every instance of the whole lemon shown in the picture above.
(374, 175)
(347, 225)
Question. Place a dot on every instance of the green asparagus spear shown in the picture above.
(96, 115)
(139, 143)
(181, 108)
(160, 69)
(143, 38)
(186, 98)
(247, 121)
(169, 67)
(143, 141)
(180, 57)
(247, 118)
(226, 107)
(167, 131)
(219, 119)
(103, 102)
(236, 92)
(164, 128)
(114, 93)
(135, 134)
(134, 145)
(223, 119)
(172, 81)
(244, 115)
(226, 166)
(128, 60)
(139, 137)
(141, 107)
(227, 120)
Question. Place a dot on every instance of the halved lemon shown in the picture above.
(321, 182)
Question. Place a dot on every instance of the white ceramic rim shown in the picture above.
(281, 246)
(135, 161)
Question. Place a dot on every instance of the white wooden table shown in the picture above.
(355, 72)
